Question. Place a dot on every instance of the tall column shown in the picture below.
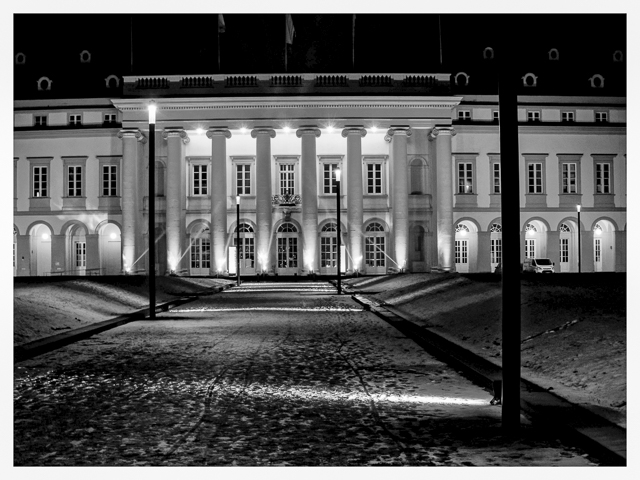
(130, 139)
(444, 207)
(175, 228)
(400, 194)
(219, 138)
(263, 138)
(354, 193)
(309, 192)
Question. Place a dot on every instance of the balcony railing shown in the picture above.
(286, 200)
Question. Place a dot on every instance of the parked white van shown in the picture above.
(538, 265)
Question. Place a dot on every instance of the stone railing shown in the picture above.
(286, 200)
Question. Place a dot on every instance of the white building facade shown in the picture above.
(420, 178)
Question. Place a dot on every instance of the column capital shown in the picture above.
(176, 132)
(399, 130)
(353, 130)
(218, 131)
(444, 130)
(132, 133)
(308, 130)
(263, 131)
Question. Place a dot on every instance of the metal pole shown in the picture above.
(579, 243)
(510, 205)
(152, 212)
(338, 242)
(238, 240)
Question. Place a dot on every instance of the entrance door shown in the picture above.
(328, 250)
(287, 238)
(41, 246)
(375, 249)
(597, 254)
(462, 256)
(564, 255)
(200, 256)
(247, 255)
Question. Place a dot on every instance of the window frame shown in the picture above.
(108, 116)
(36, 192)
(382, 163)
(464, 115)
(74, 182)
(75, 119)
(40, 120)
(204, 183)
(568, 116)
(108, 161)
(294, 173)
(604, 114)
(465, 176)
(534, 116)
(609, 180)
(243, 160)
(243, 184)
(80, 258)
(74, 162)
(325, 161)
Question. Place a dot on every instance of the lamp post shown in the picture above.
(579, 243)
(338, 242)
(152, 210)
(238, 239)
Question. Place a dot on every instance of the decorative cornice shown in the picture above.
(218, 131)
(444, 130)
(176, 132)
(263, 130)
(309, 130)
(132, 132)
(354, 130)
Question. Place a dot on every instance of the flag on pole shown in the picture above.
(221, 25)
(290, 30)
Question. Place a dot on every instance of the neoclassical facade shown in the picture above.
(420, 178)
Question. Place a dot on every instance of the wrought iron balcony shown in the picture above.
(286, 200)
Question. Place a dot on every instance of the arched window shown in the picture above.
(287, 228)
(488, 54)
(564, 228)
(461, 227)
(85, 57)
(374, 227)
(530, 228)
(554, 54)
(462, 79)
(21, 58)
(330, 227)
(244, 228)
(618, 56)
(529, 80)
(44, 83)
(597, 81)
(496, 228)
(418, 173)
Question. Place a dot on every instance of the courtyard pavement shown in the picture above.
(260, 375)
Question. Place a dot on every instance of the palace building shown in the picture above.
(418, 155)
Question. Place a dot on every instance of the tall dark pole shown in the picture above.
(238, 240)
(510, 204)
(579, 243)
(338, 242)
(152, 211)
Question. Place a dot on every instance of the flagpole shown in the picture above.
(440, 39)
(219, 51)
(286, 37)
(353, 43)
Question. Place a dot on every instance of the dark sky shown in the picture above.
(164, 44)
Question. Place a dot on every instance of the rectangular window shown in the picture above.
(568, 116)
(374, 251)
(461, 251)
(199, 180)
(109, 118)
(109, 180)
(496, 115)
(530, 248)
(602, 117)
(598, 250)
(243, 179)
(533, 115)
(40, 182)
(496, 250)
(75, 119)
(328, 252)
(603, 178)
(569, 178)
(329, 177)
(496, 178)
(287, 179)
(564, 250)
(374, 178)
(464, 115)
(81, 254)
(74, 183)
(465, 177)
(40, 120)
(535, 178)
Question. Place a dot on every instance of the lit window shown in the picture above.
(74, 181)
(287, 178)
(496, 178)
(465, 177)
(75, 119)
(199, 180)
(568, 116)
(496, 250)
(243, 179)
(81, 254)
(535, 178)
(329, 177)
(603, 178)
(602, 117)
(109, 180)
(461, 251)
(40, 181)
(533, 115)
(374, 178)
(496, 115)
(375, 245)
(569, 178)
(464, 115)
(564, 250)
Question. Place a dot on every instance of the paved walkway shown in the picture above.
(261, 375)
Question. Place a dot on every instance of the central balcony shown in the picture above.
(286, 200)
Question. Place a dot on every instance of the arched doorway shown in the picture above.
(461, 248)
(568, 253)
(247, 249)
(375, 244)
(76, 250)
(535, 239)
(495, 234)
(40, 250)
(287, 241)
(200, 249)
(110, 250)
(328, 250)
(604, 248)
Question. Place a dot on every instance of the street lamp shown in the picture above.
(238, 239)
(338, 242)
(579, 243)
(152, 210)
